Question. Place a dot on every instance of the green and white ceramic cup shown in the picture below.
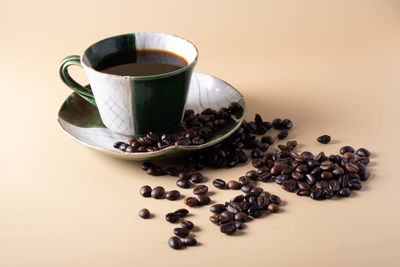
(134, 105)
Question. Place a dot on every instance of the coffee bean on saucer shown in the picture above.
(182, 212)
(157, 192)
(324, 139)
(189, 241)
(190, 201)
(220, 184)
(175, 243)
(200, 190)
(362, 152)
(283, 134)
(173, 195)
(181, 232)
(144, 213)
(145, 191)
(187, 225)
(172, 217)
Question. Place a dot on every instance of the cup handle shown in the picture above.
(84, 92)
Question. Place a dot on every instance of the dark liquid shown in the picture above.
(141, 63)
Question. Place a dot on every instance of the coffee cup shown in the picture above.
(131, 104)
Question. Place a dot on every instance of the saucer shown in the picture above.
(81, 121)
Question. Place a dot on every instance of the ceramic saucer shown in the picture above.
(81, 121)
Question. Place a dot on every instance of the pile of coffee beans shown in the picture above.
(180, 232)
(196, 129)
(232, 215)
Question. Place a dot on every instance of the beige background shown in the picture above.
(330, 66)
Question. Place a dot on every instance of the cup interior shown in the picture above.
(140, 41)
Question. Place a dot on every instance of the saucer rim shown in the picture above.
(168, 150)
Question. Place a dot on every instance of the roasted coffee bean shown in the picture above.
(144, 213)
(297, 176)
(171, 171)
(326, 165)
(326, 175)
(189, 241)
(277, 124)
(321, 184)
(200, 190)
(265, 177)
(172, 217)
(363, 160)
(292, 144)
(303, 193)
(351, 167)
(215, 219)
(274, 208)
(281, 178)
(263, 147)
(338, 171)
(362, 152)
(246, 188)
(310, 179)
(145, 191)
(233, 208)
(355, 184)
(203, 200)
(258, 162)
(284, 148)
(158, 192)
(327, 193)
(146, 165)
(334, 185)
(218, 183)
(238, 199)
(182, 212)
(289, 185)
(183, 183)
(217, 208)
(287, 124)
(283, 134)
(252, 175)
(181, 232)
(344, 192)
(155, 171)
(263, 201)
(257, 153)
(234, 107)
(324, 139)
(364, 175)
(275, 199)
(320, 157)
(267, 140)
(173, 195)
(227, 215)
(255, 211)
(244, 180)
(175, 243)
(304, 186)
(190, 201)
(241, 217)
(235, 185)
(187, 225)
(316, 194)
(197, 178)
(346, 149)
(239, 225)
(228, 228)
(185, 174)
(302, 168)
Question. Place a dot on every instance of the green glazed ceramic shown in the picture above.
(81, 120)
(134, 105)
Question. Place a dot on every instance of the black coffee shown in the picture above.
(141, 63)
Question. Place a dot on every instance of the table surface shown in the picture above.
(330, 66)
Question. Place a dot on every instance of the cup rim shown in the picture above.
(146, 77)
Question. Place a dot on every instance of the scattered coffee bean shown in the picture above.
(228, 228)
(173, 195)
(235, 185)
(189, 241)
(362, 152)
(181, 232)
(203, 200)
(145, 191)
(187, 225)
(283, 134)
(324, 139)
(217, 208)
(172, 217)
(287, 124)
(220, 184)
(183, 183)
(144, 213)
(197, 178)
(157, 192)
(346, 149)
(190, 201)
(181, 213)
(175, 243)
(274, 208)
(200, 190)
(267, 140)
